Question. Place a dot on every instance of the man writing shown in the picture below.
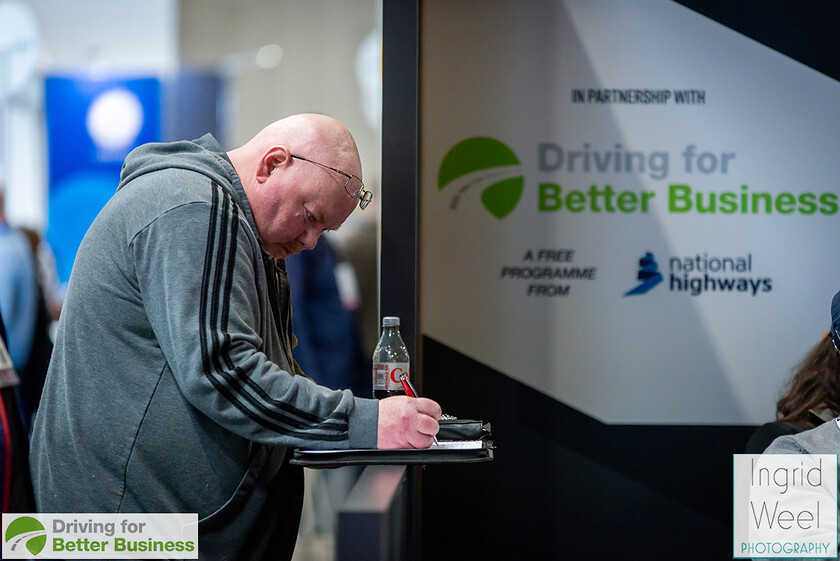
(172, 386)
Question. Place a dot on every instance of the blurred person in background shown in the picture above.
(48, 310)
(17, 324)
(812, 396)
(25, 315)
(358, 255)
(15, 484)
(328, 343)
(46, 272)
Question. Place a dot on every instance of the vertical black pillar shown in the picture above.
(398, 266)
(399, 250)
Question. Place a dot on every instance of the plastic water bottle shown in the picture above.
(390, 360)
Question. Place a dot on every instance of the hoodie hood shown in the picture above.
(204, 155)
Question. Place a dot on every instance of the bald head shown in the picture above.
(314, 136)
(320, 138)
(294, 200)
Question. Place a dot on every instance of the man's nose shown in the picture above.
(309, 238)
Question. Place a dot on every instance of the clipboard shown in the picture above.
(460, 441)
(445, 452)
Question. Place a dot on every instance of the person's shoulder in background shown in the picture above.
(767, 433)
(821, 439)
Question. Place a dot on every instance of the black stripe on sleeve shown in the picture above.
(231, 381)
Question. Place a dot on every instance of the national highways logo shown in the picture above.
(648, 276)
(485, 163)
(700, 274)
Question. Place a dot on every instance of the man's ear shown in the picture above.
(276, 157)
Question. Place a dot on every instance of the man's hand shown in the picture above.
(407, 422)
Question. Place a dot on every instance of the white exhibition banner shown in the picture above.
(625, 205)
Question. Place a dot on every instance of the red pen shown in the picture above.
(409, 390)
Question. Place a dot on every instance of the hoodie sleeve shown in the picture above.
(198, 276)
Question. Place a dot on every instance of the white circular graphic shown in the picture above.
(269, 56)
(114, 119)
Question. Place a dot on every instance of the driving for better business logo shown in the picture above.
(100, 536)
(486, 163)
(26, 531)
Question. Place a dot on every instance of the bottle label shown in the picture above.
(386, 375)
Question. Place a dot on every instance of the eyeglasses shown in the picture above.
(354, 186)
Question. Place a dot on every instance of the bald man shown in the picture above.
(172, 386)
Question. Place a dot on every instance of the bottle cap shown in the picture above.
(390, 321)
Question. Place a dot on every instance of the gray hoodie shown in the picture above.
(172, 386)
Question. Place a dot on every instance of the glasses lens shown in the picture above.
(353, 186)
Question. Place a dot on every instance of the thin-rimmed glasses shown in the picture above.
(354, 186)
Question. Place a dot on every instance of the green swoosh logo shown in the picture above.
(27, 525)
(483, 153)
